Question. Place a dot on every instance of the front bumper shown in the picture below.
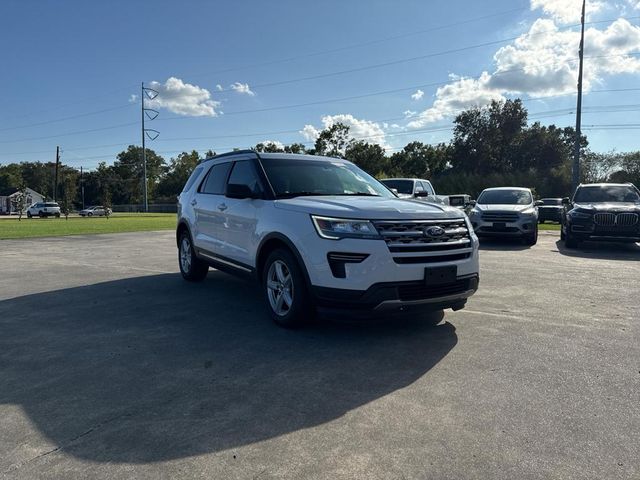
(519, 228)
(589, 231)
(396, 297)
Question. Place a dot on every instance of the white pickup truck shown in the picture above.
(415, 188)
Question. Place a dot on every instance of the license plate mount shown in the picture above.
(499, 225)
(440, 275)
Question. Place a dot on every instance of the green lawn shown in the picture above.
(55, 227)
(549, 226)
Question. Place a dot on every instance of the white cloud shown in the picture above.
(541, 62)
(184, 99)
(359, 129)
(242, 88)
(418, 95)
(461, 94)
(310, 133)
(275, 143)
(409, 113)
(219, 87)
(567, 11)
(133, 98)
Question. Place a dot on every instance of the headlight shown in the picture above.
(579, 215)
(528, 212)
(337, 228)
(474, 213)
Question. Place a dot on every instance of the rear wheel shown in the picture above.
(191, 267)
(285, 291)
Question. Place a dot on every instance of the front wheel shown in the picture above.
(532, 238)
(285, 291)
(570, 241)
(191, 267)
(29, 215)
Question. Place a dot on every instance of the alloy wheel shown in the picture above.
(280, 288)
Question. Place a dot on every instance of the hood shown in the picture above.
(502, 208)
(370, 208)
(614, 207)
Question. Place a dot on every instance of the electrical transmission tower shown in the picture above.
(151, 114)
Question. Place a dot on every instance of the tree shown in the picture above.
(419, 160)
(368, 156)
(69, 191)
(105, 200)
(268, 147)
(128, 176)
(333, 141)
(177, 174)
(19, 200)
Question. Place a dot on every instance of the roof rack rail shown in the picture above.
(229, 154)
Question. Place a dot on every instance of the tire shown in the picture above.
(191, 267)
(285, 291)
(29, 215)
(562, 236)
(532, 239)
(570, 241)
(57, 215)
(89, 214)
(41, 215)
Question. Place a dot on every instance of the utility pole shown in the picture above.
(576, 152)
(82, 186)
(55, 182)
(149, 93)
(144, 155)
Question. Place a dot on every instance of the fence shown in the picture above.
(153, 208)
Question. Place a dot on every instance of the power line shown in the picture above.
(111, 127)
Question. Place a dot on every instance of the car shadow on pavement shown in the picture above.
(497, 243)
(153, 368)
(603, 250)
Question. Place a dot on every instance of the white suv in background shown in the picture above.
(319, 232)
(44, 209)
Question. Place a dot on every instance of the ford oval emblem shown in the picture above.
(434, 232)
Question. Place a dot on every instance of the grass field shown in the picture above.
(55, 227)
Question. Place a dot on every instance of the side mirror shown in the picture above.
(470, 203)
(566, 201)
(538, 203)
(394, 191)
(239, 191)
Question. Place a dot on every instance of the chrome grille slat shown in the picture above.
(506, 217)
(613, 220)
(408, 238)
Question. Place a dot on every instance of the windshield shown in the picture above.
(505, 197)
(293, 178)
(552, 201)
(606, 193)
(50, 204)
(402, 186)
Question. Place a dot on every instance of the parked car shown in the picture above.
(319, 232)
(98, 211)
(506, 212)
(550, 210)
(602, 211)
(415, 188)
(460, 201)
(44, 209)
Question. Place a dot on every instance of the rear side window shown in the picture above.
(192, 179)
(216, 179)
(243, 173)
(50, 204)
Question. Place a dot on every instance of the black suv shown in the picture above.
(602, 211)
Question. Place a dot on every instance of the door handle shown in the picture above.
(222, 207)
(194, 202)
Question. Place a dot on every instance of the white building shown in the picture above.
(6, 206)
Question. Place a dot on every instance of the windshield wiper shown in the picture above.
(301, 194)
(358, 194)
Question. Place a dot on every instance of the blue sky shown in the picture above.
(228, 70)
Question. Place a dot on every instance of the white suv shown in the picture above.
(44, 209)
(319, 232)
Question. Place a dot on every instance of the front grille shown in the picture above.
(405, 237)
(420, 291)
(500, 217)
(614, 220)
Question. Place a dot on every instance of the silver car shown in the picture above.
(97, 211)
(506, 212)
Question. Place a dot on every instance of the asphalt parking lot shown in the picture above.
(111, 366)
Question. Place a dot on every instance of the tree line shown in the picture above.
(494, 145)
